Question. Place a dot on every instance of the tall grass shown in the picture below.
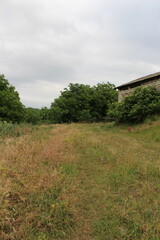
(15, 130)
(81, 182)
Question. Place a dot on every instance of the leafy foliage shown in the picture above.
(45, 114)
(11, 108)
(32, 115)
(103, 95)
(36, 116)
(77, 103)
(136, 107)
(83, 103)
(72, 103)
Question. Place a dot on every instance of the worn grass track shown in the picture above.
(81, 182)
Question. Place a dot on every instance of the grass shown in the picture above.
(81, 182)
(15, 130)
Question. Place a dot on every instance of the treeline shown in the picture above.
(77, 103)
(81, 103)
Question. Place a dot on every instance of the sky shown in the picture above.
(47, 44)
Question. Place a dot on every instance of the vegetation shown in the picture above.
(78, 103)
(81, 181)
(136, 107)
(11, 109)
(32, 115)
(37, 116)
(14, 130)
(82, 103)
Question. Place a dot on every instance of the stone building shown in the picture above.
(128, 88)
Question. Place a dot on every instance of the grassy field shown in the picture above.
(81, 182)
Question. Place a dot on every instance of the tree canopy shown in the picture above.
(81, 102)
(11, 108)
(77, 103)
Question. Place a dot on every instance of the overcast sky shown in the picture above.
(47, 44)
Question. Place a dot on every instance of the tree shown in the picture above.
(70, 106)
(11, 108)
(44, 114)
(102, 96)
(81, 102)
(32, 115)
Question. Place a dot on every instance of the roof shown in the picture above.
(139, 80)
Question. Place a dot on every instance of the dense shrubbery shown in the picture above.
(37, 116)
(135, 108)
(83, 103)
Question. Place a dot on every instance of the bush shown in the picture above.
(135, 108)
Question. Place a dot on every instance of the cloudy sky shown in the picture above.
(47, 44)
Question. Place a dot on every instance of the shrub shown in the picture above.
(135, 108)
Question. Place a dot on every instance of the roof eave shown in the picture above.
(139, 80)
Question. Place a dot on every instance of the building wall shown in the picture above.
(123, 93)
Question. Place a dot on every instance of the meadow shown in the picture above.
(80, 182)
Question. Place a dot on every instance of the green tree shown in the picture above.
(11, 108)
(70, 106)
(81, 102)
(45, 114)
(102, 96)
(32, 115)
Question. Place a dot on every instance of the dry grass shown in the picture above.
(29, 168)
(81, 182)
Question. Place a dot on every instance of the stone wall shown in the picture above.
(125, 92)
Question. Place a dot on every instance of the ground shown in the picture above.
(81, 182)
